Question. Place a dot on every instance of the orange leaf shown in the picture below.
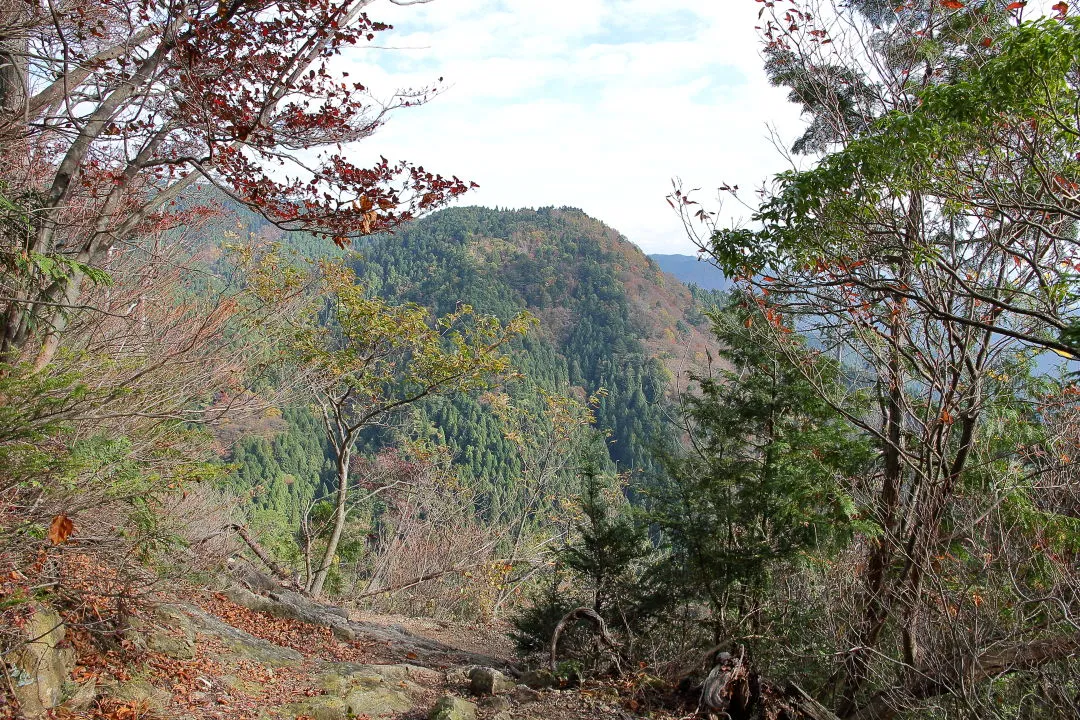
(986, 42)
(1016, 5)
(952, 4)
(60, 529)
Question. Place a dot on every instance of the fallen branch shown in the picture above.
(434, 575)
(584, 613)
(256, 548)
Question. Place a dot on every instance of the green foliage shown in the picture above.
(34, 409)
(600, 566)
(283, 473)
(384, 356)
(372, 359)
(972, 173)
(535, 621)
(609, 547)
(762, 482)
(558, 265)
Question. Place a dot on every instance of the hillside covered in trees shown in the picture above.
(285, 437)
(610, 325)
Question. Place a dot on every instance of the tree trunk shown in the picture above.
(260, 552)
(876, 581)
(340, 515)
(13, 75)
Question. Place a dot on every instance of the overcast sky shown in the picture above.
(595, 104)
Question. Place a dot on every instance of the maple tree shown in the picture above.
(110, 111)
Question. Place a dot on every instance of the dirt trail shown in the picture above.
(210, 657)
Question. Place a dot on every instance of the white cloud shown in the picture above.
(595, 104)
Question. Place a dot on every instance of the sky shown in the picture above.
(595, 104)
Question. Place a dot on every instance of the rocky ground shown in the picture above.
(275, 656)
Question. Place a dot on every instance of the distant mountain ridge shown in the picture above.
(691, 269)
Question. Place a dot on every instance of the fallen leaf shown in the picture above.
(60, 529)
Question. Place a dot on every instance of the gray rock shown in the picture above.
(459, 675)
(539, 679)
(372, 701)
(343, 632)
(141, 691)
(179, 648)
(40, 668)
(240, 643)
(298, 607)
(488, 681)
(242, 685)
(525, 694)
(174, 616)
(452, 708)
(334, 674)
(355, 689)
(496, 703)
(294, 606)
(83, 695)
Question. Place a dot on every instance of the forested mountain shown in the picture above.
(611, 323)
(690, 269)
(609, 318)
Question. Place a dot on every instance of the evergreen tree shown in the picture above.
(762, 479)
(609, 545)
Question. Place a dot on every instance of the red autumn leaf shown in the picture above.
(986, 42)
(1062, 8)
(60, 529)
(1016, 5)
(952, 4)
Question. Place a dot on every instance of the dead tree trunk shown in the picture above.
(278, 571)
(733, 690)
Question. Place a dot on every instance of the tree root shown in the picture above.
(584, 613)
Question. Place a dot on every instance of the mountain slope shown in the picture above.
(610, 318)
